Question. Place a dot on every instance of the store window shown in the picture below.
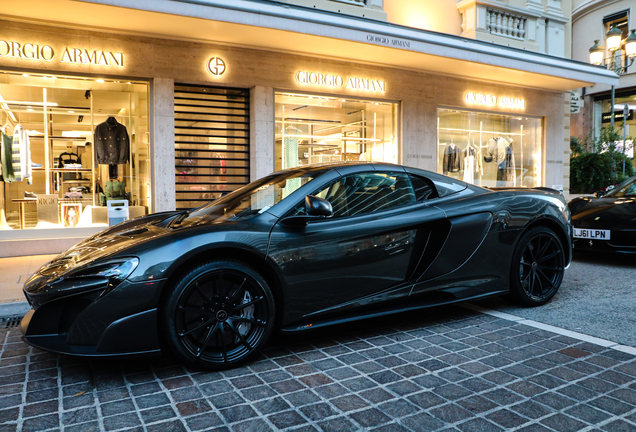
(72, 148)
(316, 129)
(624, 103)
(491, 150)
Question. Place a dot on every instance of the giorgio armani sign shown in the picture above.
(77, 55)
(334, 81)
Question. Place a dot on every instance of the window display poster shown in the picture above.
(71, 214)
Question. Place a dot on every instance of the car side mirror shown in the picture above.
(599, 194)
(315, 207)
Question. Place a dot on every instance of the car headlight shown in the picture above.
(116, 270)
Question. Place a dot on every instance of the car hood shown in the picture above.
(604, 212)
(105, 244)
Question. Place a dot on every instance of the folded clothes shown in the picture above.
(36, 165)
(72, 166)
(73, 195)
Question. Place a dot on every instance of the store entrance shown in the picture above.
(72, 147)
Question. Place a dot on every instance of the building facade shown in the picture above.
(591, 20)
(173, 104)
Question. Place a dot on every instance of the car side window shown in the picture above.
(362, 193)
(424, 188)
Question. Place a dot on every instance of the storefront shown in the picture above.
(625, 123)
(203, 119)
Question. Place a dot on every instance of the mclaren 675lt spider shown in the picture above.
(296, 250)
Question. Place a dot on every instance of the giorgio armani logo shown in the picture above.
(216, 66)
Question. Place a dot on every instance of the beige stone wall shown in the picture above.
(166, 61)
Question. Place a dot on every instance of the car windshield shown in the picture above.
(252, 199)
(626, 188)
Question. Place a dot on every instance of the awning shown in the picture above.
(292, 29)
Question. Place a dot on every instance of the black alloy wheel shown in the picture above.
(538, 265)
(218, 315)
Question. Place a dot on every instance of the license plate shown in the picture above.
(592, 234)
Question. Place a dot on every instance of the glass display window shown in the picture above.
(490, 150)
(624, 102)
(317, 129)
(70, 145)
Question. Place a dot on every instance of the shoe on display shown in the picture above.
(30, 195)
(36, 165)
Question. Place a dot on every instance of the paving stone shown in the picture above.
(238, 413)
(286, 419)
(611, 405)
(370, 417)
(398, 408)
(451, 413)
(153, 400)
(272, 406)
(118, 407)
(587, 414)
(157, 414)
(121, 421)
(318, 411)
(338, 424)
(204, 421)
(172, 426)
(531, 409)
(479, 425)
(563, 423)
(507, 418)
(477, 404)
(81, 415)
(41, 423)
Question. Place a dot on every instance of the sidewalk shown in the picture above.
(14, 272)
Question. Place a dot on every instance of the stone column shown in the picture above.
(261, 132)
(162, 147)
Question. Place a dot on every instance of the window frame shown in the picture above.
(328, 185)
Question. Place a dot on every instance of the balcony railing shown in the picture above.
(506, 24)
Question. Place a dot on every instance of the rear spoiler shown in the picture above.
(540, 188)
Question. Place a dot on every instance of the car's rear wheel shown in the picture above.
(538, 264)
(217, 314)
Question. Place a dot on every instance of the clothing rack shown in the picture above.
(482, 139)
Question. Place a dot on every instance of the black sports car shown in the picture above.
(607, 222)
(296, 250)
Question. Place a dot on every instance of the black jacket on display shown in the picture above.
(452, 159)
(112, 143)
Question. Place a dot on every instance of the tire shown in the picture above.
(217, 315)
(538, 265)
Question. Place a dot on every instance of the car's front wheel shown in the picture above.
(217, 314)
(538, 264)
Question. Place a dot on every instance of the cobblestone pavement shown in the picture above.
(447, 369)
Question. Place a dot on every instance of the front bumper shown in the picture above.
(122, 321)
(593, 245)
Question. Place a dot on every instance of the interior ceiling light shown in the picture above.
(100, 80)
(29, 103)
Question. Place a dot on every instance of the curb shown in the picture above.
(558, 330)
(12, 309)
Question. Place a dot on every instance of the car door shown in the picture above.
(362, 255)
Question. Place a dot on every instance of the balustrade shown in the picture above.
(505, 24)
